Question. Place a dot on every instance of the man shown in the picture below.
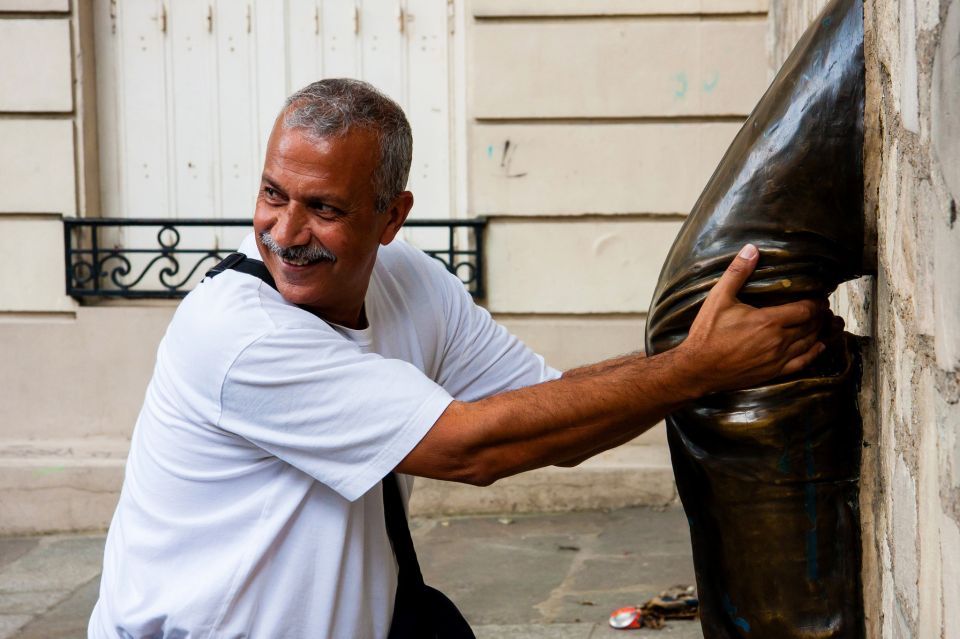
(252, 501)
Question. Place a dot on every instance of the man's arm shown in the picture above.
(730, 345)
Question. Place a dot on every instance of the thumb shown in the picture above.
(737, 273)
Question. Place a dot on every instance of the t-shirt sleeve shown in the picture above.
(314, 400)
(480, 357)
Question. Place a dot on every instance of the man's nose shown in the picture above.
(290, 228)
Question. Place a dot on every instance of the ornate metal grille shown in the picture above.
(151, 258)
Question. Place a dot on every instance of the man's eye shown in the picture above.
(326, 211)
(269, 192)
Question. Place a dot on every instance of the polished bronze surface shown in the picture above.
(769, 475)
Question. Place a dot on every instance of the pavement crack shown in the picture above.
(553, 605)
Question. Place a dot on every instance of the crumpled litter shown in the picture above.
(678, 602)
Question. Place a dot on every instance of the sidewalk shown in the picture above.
(517, 577)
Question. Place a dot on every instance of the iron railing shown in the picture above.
(122, 258)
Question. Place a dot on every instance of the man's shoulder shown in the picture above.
(400, 251)
(227, 313)
(412, 269)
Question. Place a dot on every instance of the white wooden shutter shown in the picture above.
(188, 91)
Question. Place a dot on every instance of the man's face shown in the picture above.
(316, 203)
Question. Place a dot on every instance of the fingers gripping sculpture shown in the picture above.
(768, 475)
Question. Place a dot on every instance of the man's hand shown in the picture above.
(596, 407)
(734, 345)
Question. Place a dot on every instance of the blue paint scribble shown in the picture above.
(731, 611)
(810, 501)
(710, 85)
(810, 504)
(681, 79)
(490, 151)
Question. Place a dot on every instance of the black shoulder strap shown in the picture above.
(242, 263)
(399, 532)
(419, 611)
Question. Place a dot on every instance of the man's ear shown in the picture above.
(397, 212)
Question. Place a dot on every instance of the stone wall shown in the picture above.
(918, 314)
(911, 402)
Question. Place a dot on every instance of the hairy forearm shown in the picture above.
(729, 345)
(588, 410)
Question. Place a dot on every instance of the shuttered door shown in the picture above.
(188, 91)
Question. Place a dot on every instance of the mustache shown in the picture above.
(313, 252)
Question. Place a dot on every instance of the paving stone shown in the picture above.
(673, 630)
(66, 620)
(552, 631)
(12, 548)
(539, 569)
(57, 563)
(9, 624)
(30, 603)
(518, 576)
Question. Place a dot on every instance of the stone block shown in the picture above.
(945, 102)
(100, 363)
(909, 99)
(627, 67)
(35, 75)
(31, 265)
(947, 417)
(945, 135)
(928, 485)
(59, 485)
(39, 6)
(10, 624)
(638, 474)
(576, 266)
(517, 8)
(950, 548)
(904, 536)
(37, 167)
(568, 342)
(946, 293)
(565, 169)
(64, 485)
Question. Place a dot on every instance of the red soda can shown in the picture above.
(626, 618)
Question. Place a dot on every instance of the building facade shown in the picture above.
(582, 131)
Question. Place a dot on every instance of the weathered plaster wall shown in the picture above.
(917, 316)
(911, 401)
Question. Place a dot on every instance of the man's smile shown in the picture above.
(300, 262)
(297, 257)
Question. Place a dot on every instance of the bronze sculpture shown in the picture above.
(768, 476)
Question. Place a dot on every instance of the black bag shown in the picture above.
(419, 611)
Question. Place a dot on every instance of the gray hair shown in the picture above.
(333, 106)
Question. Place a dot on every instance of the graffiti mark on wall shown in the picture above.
(506, 159)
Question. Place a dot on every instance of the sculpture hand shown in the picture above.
(733, 345)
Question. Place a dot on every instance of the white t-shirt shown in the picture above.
(252, 504)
